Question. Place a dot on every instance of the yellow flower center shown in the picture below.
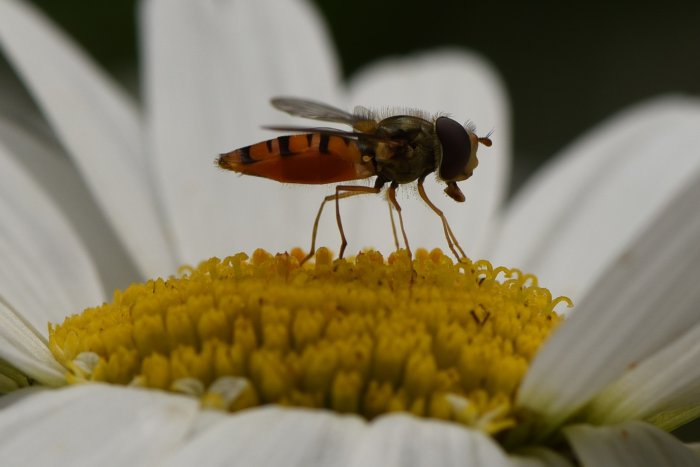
(363, 335)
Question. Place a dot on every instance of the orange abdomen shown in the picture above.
(312, 158)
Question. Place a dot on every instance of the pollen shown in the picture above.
(364, 335)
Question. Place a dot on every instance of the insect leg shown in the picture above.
(350, 190)
(393, 224)
(391, 194)
(451, 239)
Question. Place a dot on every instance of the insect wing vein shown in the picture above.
(313, 110)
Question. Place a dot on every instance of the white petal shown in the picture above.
(212, 67)
(8, 383)
(667, 381)
(684, 418)
(98, 124)
(632, 444)
(49, 166)
(17, 396)
(26, 349)
(644, 302)
(206, 420)
(407, 441)
(93, 425)
(274, 436)
(581, 211)
(465, 86)
(45, 271)
(695, 447)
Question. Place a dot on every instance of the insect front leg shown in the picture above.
(451, 239)
(349, 190)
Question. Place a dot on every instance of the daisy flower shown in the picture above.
(420, 363)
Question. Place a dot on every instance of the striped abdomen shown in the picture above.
(312, 158)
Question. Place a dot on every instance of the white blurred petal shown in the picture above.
(211, 68)
(205, 421)
(92, 425)
(45, 271)
(44, 161)
(16, 396)
(466, 87)
(273, 436)
(632, 444)
(578, 214)
(667, 381)
(642, 303)
(402, 440)
(98, 124)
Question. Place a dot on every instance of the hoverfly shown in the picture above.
(398, 149)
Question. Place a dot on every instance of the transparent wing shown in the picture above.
(314, 110)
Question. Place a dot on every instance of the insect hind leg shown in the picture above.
(393, 224)
(349, 191)
(391, 196)
(451, 238)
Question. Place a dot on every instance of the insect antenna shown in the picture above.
(486, 140)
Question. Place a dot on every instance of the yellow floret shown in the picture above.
(364, 335)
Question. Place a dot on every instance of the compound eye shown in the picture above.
(456, 148)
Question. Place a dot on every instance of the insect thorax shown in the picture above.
(411, 152)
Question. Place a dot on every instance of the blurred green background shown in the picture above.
(567, 65)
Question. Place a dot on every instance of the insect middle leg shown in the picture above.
(451, 239)
(349, 190)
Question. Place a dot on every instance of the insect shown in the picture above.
(397, 149)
